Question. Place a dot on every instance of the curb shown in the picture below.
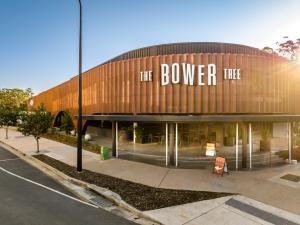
(59, 176)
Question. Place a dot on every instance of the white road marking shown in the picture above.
(48, 188)
(4, 160)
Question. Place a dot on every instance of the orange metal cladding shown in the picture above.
(268, 84)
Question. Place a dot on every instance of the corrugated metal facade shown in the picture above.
(268, 84)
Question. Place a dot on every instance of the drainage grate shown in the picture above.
(101, 201)
(262, 214)
(291, 177)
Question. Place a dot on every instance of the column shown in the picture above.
(244, 145)
(250, 146)
(290, 141)
(176, 144)
(135, 124)
(166, 140)
(171, 144)
(236, 146)
(113, 138)
(117, 140)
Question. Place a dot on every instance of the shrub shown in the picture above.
(66, 123)
(35, 123)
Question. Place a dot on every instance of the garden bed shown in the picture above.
(72, 141)
(285, 154)
(140, 196)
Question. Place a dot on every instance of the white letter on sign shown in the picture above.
(141, 76)
(200, 75)
(175, 73)
(188, 73)
(165, 79)
(212, 70)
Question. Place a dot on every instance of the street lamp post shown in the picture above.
(79, 121)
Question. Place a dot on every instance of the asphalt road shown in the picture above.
(29, 197)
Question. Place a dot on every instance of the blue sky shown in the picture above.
(39, 38)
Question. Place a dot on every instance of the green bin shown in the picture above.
(104, 153)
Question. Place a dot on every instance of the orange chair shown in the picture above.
(219, 165)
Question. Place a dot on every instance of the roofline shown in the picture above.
(185, 43)
(161, 45)
(178, 43)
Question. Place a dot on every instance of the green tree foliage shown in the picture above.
(66, 123)
(8, 117)
(15, 97)
(35, 123)
(11, 102)
(269, 50)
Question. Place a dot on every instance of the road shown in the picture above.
(29, 197)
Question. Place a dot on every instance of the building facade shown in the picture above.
(182, 104)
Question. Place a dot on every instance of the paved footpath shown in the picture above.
(227, 210)
(262, 185)
(30, 197)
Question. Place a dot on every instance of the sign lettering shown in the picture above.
(189, 74)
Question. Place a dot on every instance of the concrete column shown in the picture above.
(171, 144)
(290, 141)
(250, 146)
(236, 146)
(117, 140)
(166, 140)
(135, 124)
(244, 145)
(113, 147)
(176, 144)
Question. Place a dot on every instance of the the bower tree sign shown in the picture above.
(190, 74)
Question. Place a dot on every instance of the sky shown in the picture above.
(39, 38)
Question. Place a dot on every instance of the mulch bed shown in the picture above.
(72, 141)
(285, 154)
(140, 196)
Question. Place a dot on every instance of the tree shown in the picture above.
(15, 97)
(289, 48)
(268, 50)
(11, 102)
(66, 123)
(35, 123)
(8, 117)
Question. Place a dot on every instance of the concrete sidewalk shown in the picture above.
(226, 210)
(263, 185)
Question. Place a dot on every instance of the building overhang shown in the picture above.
(197, 118)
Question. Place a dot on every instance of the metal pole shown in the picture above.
(166, 139)
(79, 122)
(114, 141)
(176, 144)
(250, 146)
(290, 141)
(117, 140)
(236, 146)
(134, 131)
